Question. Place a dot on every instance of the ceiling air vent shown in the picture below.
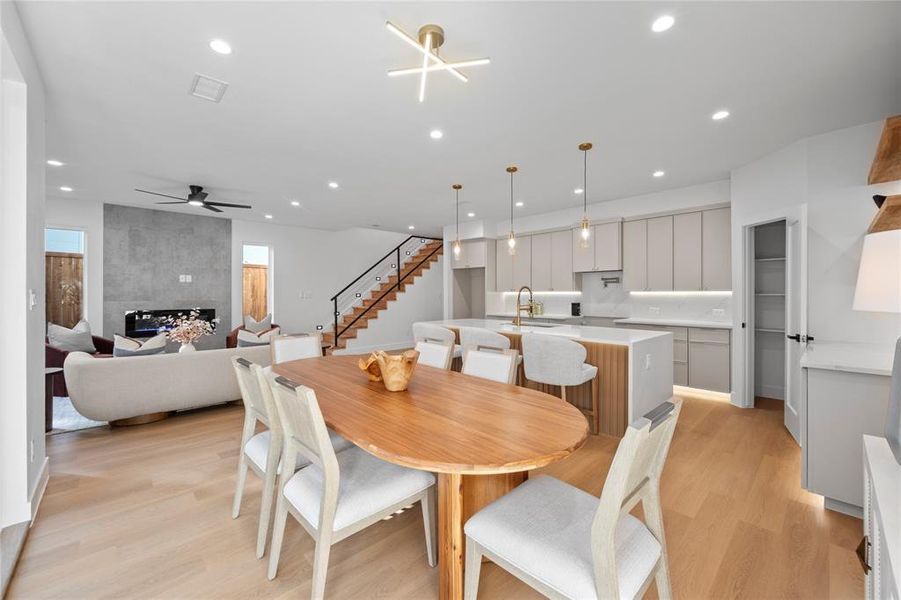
(208, 88)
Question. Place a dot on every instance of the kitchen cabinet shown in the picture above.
(882, 497)
(709, 359)
(541, 261)
(503, 267)
(687, 252)
(716, 236)
(660, 253)
(522, 262)
(473, 254)
(604, 251)
(680, 348)
(635, 255)
(562, 278)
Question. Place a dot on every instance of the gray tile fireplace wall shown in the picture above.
(146, 251)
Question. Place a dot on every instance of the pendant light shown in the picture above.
(457, 187)
(585, 223)
(511, 240)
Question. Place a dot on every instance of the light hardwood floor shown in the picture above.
(144, 512)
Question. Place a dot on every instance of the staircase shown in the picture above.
(361, 301)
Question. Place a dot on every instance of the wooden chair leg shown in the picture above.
(428, 521)
(595, 405)
(278, 534)
(471, 570)
(563, 392)
(239, 485)
(265, 512)
(320, 564)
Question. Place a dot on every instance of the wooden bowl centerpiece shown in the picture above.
(393, 370)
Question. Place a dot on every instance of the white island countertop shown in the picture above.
(584, 333)
(870, 359)
(550, 316)
(664, 322)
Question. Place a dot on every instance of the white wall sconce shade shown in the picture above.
(879, 277)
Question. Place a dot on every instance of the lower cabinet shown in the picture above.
(881, 536)
(709, 357)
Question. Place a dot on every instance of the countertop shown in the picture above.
(870, 359)
(675, 322)
(549, 317)
(604, 335)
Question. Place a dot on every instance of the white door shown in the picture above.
(795, 317)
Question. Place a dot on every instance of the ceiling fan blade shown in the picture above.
(229, 205)
(159, 194)
(181, 202)
(212, 208)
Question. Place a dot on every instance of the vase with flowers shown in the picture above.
(188, 328)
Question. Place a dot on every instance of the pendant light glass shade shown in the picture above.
(456, 246)
(585, 223)
(511, 239)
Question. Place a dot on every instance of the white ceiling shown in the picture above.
(309, 100)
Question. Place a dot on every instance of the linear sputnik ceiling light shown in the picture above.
(431, 37)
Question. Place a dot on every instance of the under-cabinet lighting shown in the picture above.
(546, 293)
(696, 293)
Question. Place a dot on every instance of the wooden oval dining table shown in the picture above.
(479, 436)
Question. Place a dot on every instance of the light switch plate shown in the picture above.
(189, 278)
(654, 310)
(181, 278)
(719, 312)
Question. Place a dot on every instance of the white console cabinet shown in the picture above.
(880, 549)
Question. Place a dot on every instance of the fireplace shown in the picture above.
(148, 323)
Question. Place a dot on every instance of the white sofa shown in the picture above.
(115, 389)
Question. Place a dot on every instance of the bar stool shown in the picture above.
(554, 360)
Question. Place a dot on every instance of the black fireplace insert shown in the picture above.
(148, 323)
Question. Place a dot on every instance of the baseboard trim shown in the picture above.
(843, 507)
(39, 488)
(12, 540)
(774, 392)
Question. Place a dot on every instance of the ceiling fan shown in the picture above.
(197, 197)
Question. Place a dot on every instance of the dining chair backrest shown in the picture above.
(435, 353)
(490, 363)
(254, 406)
(552, 359)
(478, 336)
(633, 477)
(428, 331)
(260, 375)
(295, 347)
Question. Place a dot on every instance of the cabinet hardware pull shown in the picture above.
(863, 552)
(796, 337)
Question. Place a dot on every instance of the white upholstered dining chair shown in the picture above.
(435, 353)
(554, 360)
(429, 331)
(490, 363)
(566, 543)
(296, 346)
(261, 452)
(338, 494)
(479, 336)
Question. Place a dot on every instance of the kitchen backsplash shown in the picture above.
(614, 301)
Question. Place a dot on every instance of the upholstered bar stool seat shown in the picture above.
(554, 360)
(427, 331)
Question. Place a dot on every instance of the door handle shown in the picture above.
(806, 338)
(796, 337)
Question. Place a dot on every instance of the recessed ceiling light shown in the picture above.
(295, 203)
(470, 215)
(663, 23)
(578, 191)
(65, 188)
(720, 115)
(659, 173)
(411, 227)
(220, 46)
(55, 163)
(333, 185)
(195, 202)
(520, 203)
(436, 134)
(268, 216)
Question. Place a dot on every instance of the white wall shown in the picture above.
(828, 173)
(22, 453)
(87, 216)
(394, 328)
(307, 260)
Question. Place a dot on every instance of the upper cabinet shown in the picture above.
(603, 251)
(522, 262)
(473, 254)
(562, 278)
(504, 267)
(717, 249)
(541, 261)
(683, 252)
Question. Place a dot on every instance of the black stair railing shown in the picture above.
(397, 262)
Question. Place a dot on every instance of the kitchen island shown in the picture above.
(635, 367)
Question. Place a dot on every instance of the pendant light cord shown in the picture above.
(457, 192)
(511, 201)
(585, 182)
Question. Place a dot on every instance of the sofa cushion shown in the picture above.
(254, 326)
(77, 339)
(248, 338)
(126, 346)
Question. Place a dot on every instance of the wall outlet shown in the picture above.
(31, 451)
(32, 299)
(719, 312)
(654, 310)
(647, 362)
(181, 278)
(189, 278)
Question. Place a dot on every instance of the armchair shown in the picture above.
(231, 340)
(55, 357)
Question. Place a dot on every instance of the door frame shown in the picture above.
(744, 351)
(85, 267)
(270, 279)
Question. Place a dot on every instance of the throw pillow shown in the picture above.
(247, 338)
(126, 346)
(254, 326)
(77, 339)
